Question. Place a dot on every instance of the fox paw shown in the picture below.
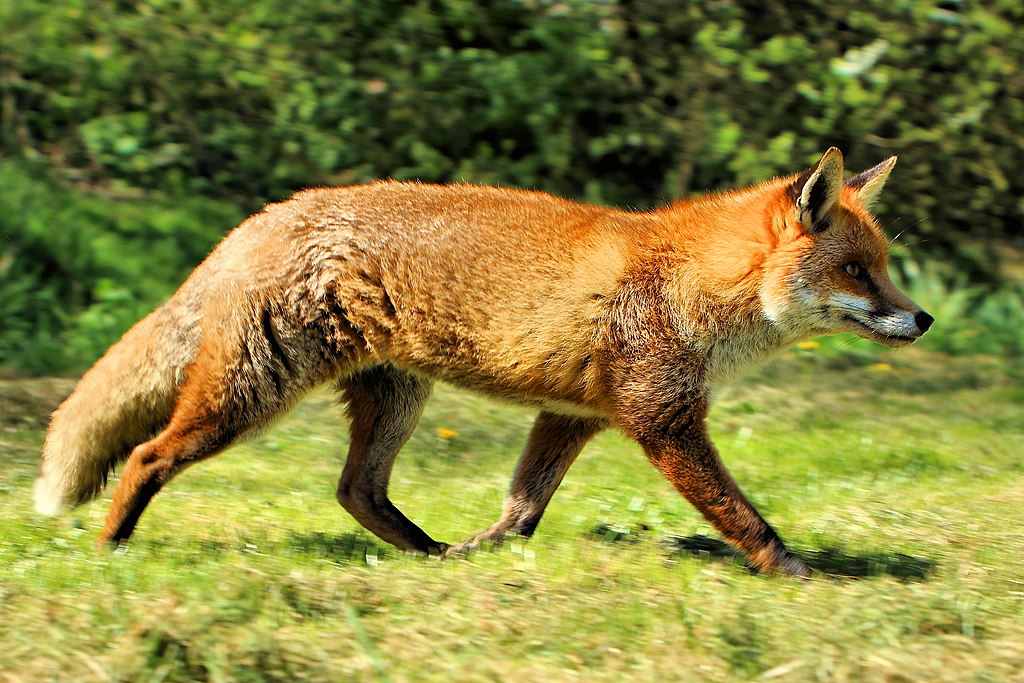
(487, 538)
(794, 566)
(460, 549)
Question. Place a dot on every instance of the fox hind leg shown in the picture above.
(226, 393)
(204, 422)
(153, 463)
(384, 405)
(554, 442)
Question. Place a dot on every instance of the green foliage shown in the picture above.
(968, 318)
(629, 103)
(77, 270)
(159, 112)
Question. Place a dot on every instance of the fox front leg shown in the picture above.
(676, 442)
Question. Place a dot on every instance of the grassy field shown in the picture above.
(899, 476)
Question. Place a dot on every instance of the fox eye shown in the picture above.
(855, 270)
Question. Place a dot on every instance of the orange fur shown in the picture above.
(595, 316)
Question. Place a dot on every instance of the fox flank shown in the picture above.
(595, 316)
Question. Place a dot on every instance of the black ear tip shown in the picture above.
(923, 320)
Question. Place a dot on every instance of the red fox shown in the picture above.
(598, 317)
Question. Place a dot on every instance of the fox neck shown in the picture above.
(722, 248)
(726, 239)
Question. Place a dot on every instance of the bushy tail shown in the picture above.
(125, 399)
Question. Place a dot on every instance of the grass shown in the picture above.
(900, 476)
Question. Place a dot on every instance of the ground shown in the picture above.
(899, 476)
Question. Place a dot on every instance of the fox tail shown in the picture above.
(125, 399)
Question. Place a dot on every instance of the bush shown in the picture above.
(625, 102)
(165, 115)
(969, 318)
(77, 270)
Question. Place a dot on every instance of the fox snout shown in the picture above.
(893, 321)
(923, 320)
(896, 328)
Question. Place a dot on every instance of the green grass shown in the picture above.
(904, 481)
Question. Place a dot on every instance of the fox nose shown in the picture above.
(923, 320)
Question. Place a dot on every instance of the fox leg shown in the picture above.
(384, 406)
(153, 463)
(698, 473)
(551, 448)
(678, 445)
(231, 387)
(205, 420)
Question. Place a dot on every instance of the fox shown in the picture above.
(597, 317)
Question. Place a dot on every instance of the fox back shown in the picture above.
(596, 316)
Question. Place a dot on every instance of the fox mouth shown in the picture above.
(882, 336)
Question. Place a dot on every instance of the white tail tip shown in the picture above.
(48, 501)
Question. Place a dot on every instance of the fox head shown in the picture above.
(828, 271)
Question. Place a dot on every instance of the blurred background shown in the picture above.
(136, 134)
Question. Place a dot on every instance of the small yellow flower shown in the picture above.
(447, 434)
(881, 367)
(808, 345)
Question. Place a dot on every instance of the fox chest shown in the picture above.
(733, 355)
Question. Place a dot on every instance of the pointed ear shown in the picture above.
(816, 192)
(869, 183)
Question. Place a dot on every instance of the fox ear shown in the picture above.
(816, 192)
(869, 183)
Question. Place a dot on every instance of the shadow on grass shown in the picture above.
(830, 561)
(835, 562)
(351, 546)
